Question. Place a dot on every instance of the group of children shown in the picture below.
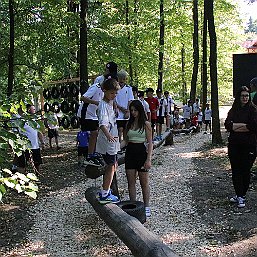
(158, 109)
(132, 133)
(194, 116)
(115, 116)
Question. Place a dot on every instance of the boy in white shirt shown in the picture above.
(207, 117)
(196, 106)
(200, 119)
(187, 113)
(89, 120)
(52, 131)
(33, 134)
(123, 99)
(170, 104)
(141, 98)
(108, 140)
(160, 114)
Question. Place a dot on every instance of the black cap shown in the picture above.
(112, 67)
(166, 92)
(149, 90)
(140, 93)
(159, 90)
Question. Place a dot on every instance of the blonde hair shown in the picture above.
(122, 74)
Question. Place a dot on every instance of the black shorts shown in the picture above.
(135, 156)
(121, 123)
(82, 151)
(207, 122)
(110, 159)
(52, 133)
(22, 161)
(89, 125)
(160, 120)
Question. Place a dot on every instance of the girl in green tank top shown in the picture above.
(138, 139)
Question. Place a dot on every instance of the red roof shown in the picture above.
(249, 44)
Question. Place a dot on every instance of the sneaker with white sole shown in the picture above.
(110, 198)
(240, 202)
(92, 161)
(233, 199)
(147, 212)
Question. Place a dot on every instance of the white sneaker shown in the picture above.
(240, 202)
(147, 212)
(233, 199)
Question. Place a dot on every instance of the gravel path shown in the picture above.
(65, 225)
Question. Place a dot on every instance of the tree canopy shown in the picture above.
(40, 42)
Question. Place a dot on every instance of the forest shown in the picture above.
(184, 46)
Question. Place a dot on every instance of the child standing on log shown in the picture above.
(138, 138)
(108, 139)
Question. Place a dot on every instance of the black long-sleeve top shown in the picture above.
(246, 114)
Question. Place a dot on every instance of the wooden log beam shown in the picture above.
(135, 236)
(164, 137)
(184, 130)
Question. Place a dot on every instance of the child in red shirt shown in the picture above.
(195, 120)
(153, 105)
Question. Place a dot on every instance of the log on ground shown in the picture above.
(139, 240)
(166, 135)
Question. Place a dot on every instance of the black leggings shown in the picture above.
(241, 159)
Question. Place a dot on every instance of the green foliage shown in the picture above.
(12, 139)
(47, 41)
(19, 182)
(47, 48)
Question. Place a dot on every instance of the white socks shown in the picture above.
(104, 193)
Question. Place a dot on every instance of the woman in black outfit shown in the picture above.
(241, 122)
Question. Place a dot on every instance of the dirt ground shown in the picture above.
(229, 225)
(211, 191)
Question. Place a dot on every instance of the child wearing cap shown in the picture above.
(153, 105)
(110, 67)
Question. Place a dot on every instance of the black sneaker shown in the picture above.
(100, 159)
(93, 161)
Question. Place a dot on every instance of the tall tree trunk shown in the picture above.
(196, 51)
(11, 50)
(216, 134)
(204, 58)
(184, 85)
(136, 6)
(161, 45)
(129, 44)
(83, 47)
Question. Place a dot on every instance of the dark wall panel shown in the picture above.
(244, 69)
